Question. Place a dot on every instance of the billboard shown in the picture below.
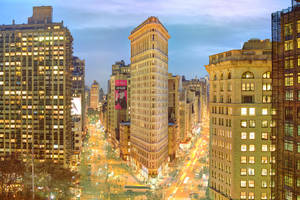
(120, 94)
(76, 106)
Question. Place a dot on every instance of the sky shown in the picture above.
(198, 28)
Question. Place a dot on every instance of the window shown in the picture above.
(298, 95)
(264, 195)
(264, 159)
(298, 131)
(215, 77)
(251, 147)
(229, 87)
(288, 129)
(263, 184)
(243, 159)
(298, 26)
(289, 95)
(267, 75)
(272, 147)
(288, 45)
(264, 111)
(298, 147)
(288, 63)
(251, 195)
(298, 182)
(251, 183)
(247, 75)
(229, 75)
(244, 123)
(298, 78)
(243, 147)
(266, 98)
(288, 145)
(251, 159)
(243, 195)
(264, 147)
(243, 135)
(243, 171)
(252, 135)
(267, 87)
(288, 79)
(252, 111)
(264, 124)
(247, 99)
(264, 172)
(221, 77)
(264, 136)
(247, 86)
(243, 183)
(251, 172)
(272, 123)
(288, 29)
(288, 195)
(252, 123)
(288, 180)
(243, 111)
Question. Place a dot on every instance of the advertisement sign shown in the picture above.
(76, 106)
(120, 94)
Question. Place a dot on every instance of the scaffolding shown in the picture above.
(287, 117)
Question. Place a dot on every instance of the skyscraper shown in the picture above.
(286, 96)
(94, 96)
(240, 122)
(149, 96)
(118, 99)
(35, 88)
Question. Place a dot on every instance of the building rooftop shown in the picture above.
(150, 20)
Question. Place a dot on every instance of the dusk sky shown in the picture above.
(198, 28)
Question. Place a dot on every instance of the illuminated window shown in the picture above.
(267, 75)
(264, 136)
(251, 159)
(288, 45)
(243, 135)
(247, 75)
(244, 123)
(264, 172)
(243, 159)
(251, 183)
(252, 123)
(288, 180)
(266, 98)
(264, 124)
(264, 195)
(243, 147)
(298, 147)
(251, 172)
(243, 111)
(289, 63)
(251, 147)
(264, 147)
(289, 94)
(289, 80)
(264, 159)
(251, 195)
(243, 195)
(252, 135)
(247, 86)
(251, 111)
(243, 183)
(264, 111)
(243, 171)
(267, 87)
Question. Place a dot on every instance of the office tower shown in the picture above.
(149, 96)
(285, 99)
(94, 96)
(240, 122)
(101, 94)
(78, 104)
(35, 88)
(118, 100)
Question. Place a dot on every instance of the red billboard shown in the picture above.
(120, 94)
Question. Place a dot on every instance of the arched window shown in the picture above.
(215, 77)
(266, 75)
(221, 76)
(229, 75)
(248, 75)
